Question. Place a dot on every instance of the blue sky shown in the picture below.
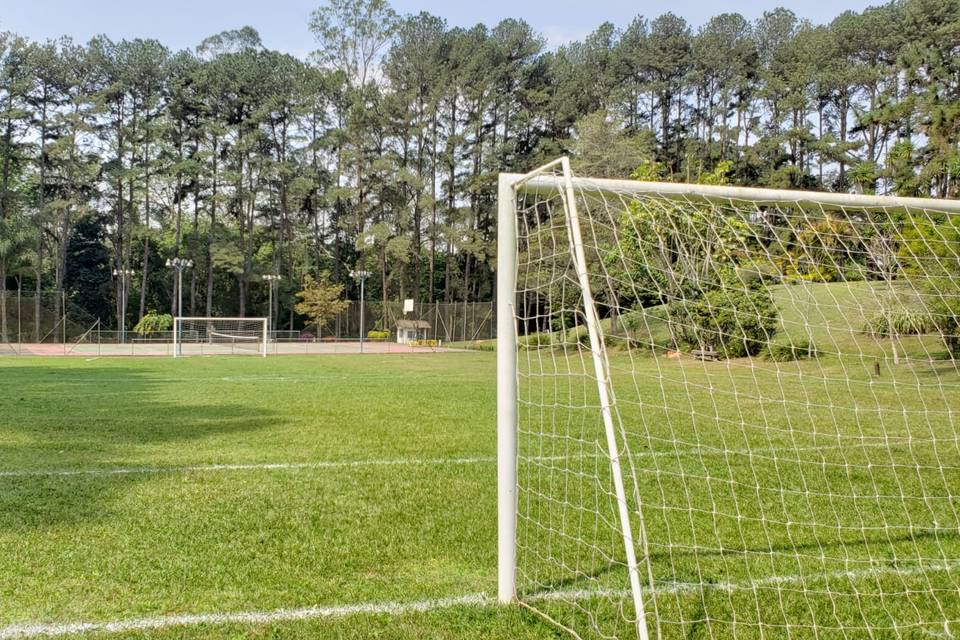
(282, 23)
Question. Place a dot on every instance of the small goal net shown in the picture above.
(220, 336)
(728, 412)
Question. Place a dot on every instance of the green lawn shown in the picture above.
(119, 546)
(805, 493)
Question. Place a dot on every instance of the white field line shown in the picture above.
(52, 629)
(397, 462)
(801, 580)
(280, 466)
(17, 631)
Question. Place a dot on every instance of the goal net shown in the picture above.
(728, 412)
(219, 336)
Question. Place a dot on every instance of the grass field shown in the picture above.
(417, 524)
(776, 497)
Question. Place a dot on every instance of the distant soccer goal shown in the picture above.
(219, 336)
(728, 412)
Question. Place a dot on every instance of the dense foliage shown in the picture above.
(729, 320)
(320, 300)
(382, 149)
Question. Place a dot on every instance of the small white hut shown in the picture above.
(411, 330)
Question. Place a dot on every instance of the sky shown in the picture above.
(283, 23)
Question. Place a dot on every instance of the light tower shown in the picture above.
(360, 275)
(272, 279)
(179, 264)
(124, 275)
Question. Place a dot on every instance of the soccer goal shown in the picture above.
(727, 412)
(219, 336)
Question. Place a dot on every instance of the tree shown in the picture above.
(87, 280)
(604, 149)
(385, 146)
(320, 300)
(930, 255)
(352, 34)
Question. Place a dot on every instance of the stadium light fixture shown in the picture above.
(272, 279)
(124, 275)
(361, 275)
(179, 264)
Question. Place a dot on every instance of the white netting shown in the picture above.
(212, 336)
(783, 398)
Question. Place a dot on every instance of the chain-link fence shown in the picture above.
(49, 318)
(45, 318)
(449, 322)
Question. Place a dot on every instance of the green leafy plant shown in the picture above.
(899, 322)
(730, 320)
(154, 323)
(797, 349)
(320, 299)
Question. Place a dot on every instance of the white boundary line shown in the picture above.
(396, 462)
(35, 630)
(53, 629)
(281, 466)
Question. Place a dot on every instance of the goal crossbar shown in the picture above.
(536, 182)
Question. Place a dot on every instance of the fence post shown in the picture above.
(63, 330)
(19, 322)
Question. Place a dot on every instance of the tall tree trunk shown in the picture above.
(4, 337)
(5, 213)
(433, 228)
(211, 233)
(146, 227)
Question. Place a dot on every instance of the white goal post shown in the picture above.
(727, 411)
(220, 336)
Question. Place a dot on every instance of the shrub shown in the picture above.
(798, 349)
(929, 256)
(153, 323)
(730, 320)
(535, 340)
(899, 322)
(378, 336)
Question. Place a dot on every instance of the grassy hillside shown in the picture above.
(830, 316)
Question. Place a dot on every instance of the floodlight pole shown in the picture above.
(272, 279)
(124, 275)
(361, 276)
(179, 264)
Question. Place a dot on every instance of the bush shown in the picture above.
(425, 343)
(535, 340)
(378, 336)
(730, 320)
(799, 349)
(899, 322)
(153, 323)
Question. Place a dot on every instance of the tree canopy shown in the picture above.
(381, 150)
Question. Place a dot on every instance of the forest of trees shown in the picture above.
(382, 149)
